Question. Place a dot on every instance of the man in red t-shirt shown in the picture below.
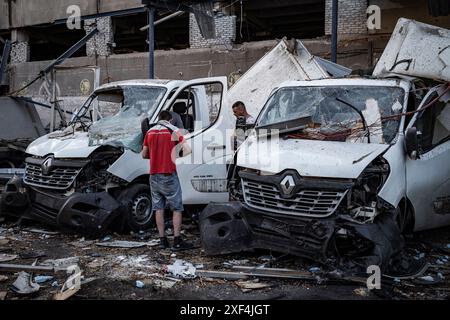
(161, 145)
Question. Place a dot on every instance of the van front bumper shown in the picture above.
(89, 213)
(231, 227)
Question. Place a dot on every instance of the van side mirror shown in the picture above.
(412, 143)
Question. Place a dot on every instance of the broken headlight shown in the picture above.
(363, 202)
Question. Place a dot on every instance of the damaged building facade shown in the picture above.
(245, 31)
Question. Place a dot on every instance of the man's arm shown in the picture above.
(144, 153)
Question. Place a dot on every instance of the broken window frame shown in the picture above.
(344, 88)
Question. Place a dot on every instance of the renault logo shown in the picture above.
(287, 184)
(46, 166)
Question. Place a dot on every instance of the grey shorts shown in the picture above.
(166, 190)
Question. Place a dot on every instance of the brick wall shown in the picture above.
(352, 16)
(225, 32)
(20, 52)
(101, 43)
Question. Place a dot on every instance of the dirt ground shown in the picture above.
(141, 273)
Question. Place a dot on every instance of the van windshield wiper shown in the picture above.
(365, 127)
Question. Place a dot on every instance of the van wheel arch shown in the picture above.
(405, 216)
(138, 212)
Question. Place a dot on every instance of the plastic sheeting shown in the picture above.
(124, 128)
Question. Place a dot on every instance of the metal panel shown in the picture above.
(416, 50)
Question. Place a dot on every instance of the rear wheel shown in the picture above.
(137, 201)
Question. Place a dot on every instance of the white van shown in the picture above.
(92, 174)
(343, 167)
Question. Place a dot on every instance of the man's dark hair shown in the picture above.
(237, 104)
(165, 115)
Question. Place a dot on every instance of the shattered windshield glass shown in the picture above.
(337, 113)
(123, 129)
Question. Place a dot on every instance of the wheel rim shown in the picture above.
(142, 209)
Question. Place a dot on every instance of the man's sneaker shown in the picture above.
(163, 243)
(179, 244)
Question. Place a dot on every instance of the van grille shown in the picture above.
(312, 203)
(58, 178)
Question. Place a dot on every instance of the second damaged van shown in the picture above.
(340, 168)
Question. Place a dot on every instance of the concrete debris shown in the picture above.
(250, 285)
(3, 295)
(24, 285)
(122, 244)
(42, 231)
(62, 263)
(182, 269)
(164, 284)
(82, 243)
(235, 262)
(97, 263)
(3, 278)
(7, 257)
(363, 292)
(4, 242)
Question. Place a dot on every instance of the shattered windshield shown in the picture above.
(129, 106)
(344, 113)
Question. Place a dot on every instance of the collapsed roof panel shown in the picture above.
(289, 60)
(416, 50)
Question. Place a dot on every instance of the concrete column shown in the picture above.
(101, 44)
(225, 32)
(20, 49)
(352, 17)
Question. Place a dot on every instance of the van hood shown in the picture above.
(74, 145)
(310, 158)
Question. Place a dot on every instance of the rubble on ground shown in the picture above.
(142, 271)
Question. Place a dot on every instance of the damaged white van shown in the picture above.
(91, 176)
(340, 168)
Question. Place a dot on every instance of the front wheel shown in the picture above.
(137, 202)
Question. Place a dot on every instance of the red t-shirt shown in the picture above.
(161, 144)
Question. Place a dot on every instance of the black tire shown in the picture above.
(137, 202)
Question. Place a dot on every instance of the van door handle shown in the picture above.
(215, 147)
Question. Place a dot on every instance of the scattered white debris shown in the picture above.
(7, 257)
(182, 269)
(62, 263)
(363, 292)
(139, 284)
(122, 244)
(236, 262)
